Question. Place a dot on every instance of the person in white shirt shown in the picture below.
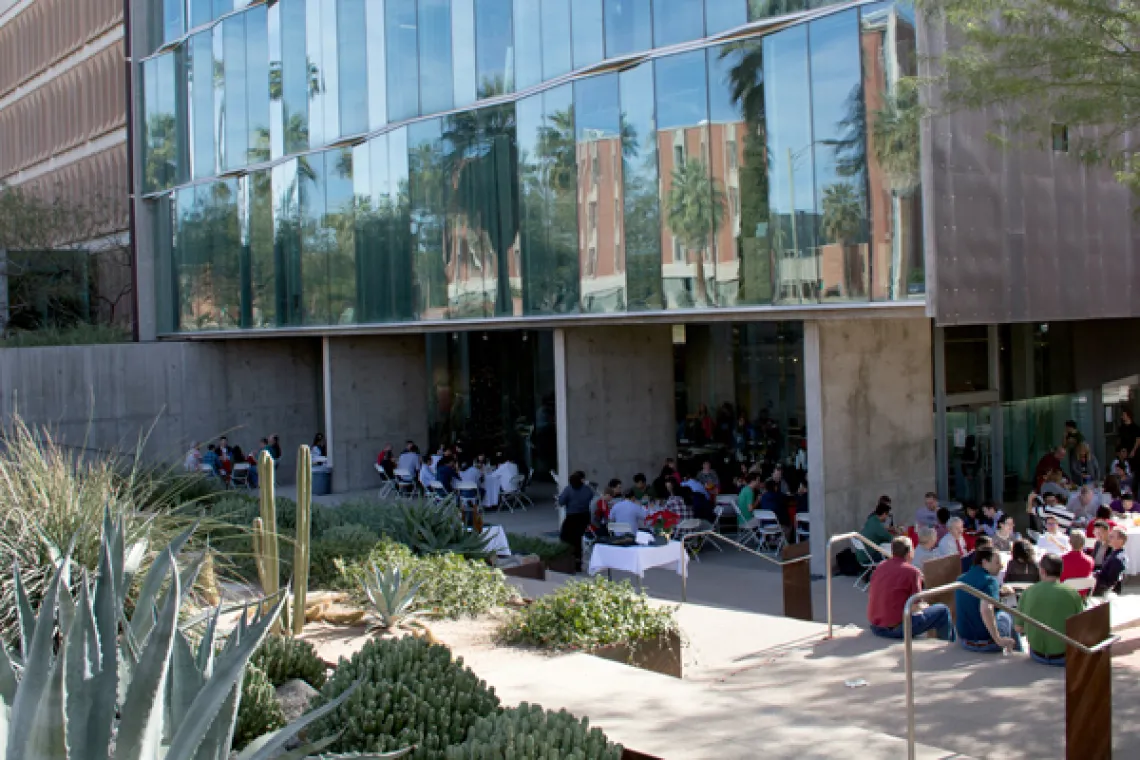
(193, 461)
(953, 542)
(1053, 541)
(927, 515)
(409, 461)
(629, 512)
(427, 474)
(1050, 508)
(696, 487)
(472, 475)
(1083, 503)
(506, 471)
(927, 547)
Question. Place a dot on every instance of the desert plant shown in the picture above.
(265, 535)
(430, 529)
(301, 545)
(412, 693)
(528, 732)
(540, 547)
(452, 586)
(87, 673)
(327, 552)
(392, 596)
(258, 710)
(283, 658)
(351, 533)
(585, 615)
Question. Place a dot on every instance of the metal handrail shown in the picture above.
(720, 536)
(908, 639)
(827, 554)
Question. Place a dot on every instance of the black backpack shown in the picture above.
(847, 563)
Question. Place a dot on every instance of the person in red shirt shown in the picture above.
(892, 584)
(1049, 463)
(1103, 513)
(1075, 563)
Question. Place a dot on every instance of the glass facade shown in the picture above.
(378, 161)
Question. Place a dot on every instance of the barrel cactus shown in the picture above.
(528, 732)
(258, 713)
(412, 693)
(283, 659)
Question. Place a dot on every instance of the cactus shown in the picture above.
(301, 547)
(528, 732)
(269, 565)
(258, 712)
(88, 673)
(284, 659)
(392, 595)
(412, 692)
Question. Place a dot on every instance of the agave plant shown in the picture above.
(86, 673)
(392, 595)
(431, 529)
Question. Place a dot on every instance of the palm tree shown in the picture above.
(843, 221)
(694, 209)
(894, 141)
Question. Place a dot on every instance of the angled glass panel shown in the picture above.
(352, 66)
(692, 200)
(287, 242)
(219, 76)
(235, 87)
(429, 218)
(641, 226)
(262, 261)
(276, 103)
(258, 84)
(598, 156)
(739, 127)
(436, 75)
(527, 21)
(377, 62)
(762, 9)
(298, 76)
(312, 178)
(400, 244)
(586, 32)
(557, 58)
(677, 21)
(173, 19)
(494, 36)
(791, 171)
(161, 154)
(225, 242)
(402, 36)
(200, 86)
(721, 15)
(629, 26)
(463, 51)
(340, 236)
(318, 85)
(330, 69)
(165, 293)
(839, 126)
(201, 12)
(383, 241)
(222, 7)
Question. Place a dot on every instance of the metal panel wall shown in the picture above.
(48, 31)
(84, 103)
(97, 184)
(1019, 235)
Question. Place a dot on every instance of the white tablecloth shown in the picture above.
(497, 540)
(638, 559)
(1132, 550)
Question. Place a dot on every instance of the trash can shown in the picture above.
(322, 481)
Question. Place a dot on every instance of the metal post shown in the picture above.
(941, 456)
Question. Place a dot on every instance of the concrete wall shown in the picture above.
(619, 400)
(379, 396)
(106, 397)
(870, 411)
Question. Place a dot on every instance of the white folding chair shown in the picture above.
(803, 527)
(1081, 584)
(687, 527)
(770, 532)
(868, 559)
(240, 476)
(747, 531)
(387, 485)
(511, 495)
(620, 529)
(468, 495)
(439, 496)
(405, 484)
(207, 470)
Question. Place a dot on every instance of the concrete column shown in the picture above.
(379, 397)
(870, 421)
(619, 400)
(560, 416)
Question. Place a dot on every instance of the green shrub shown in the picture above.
(258, 713)
(413, 692)
(452, 586)
(327, 553)
(378, 516)
(546, 550)
(586, 615)
(528, 732)
(283, 658)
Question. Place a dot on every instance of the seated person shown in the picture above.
(630, 512)
(979, 628)
(1112, 571)
(708, 477)
(640, 490)
(1075, 563)
(747, 499)
(1047, 506)
(927, 515)
(210, 458)
(893, 583)
(1101, 549)
(1103, 514)
(1053, 541)
(941, 526)
(610, 496)
(1083, 503)
(427, 474)
(1022, 567)
(775, 502)
(1051, 602)
(970, 520)
(927, 547)
(875, 531)
(988, 522)
(954, 542)
(968, 560)
(1004, 536)
(472, 474)
(446, 473)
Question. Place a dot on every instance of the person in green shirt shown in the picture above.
(875, 528)
(747, 498)
(1051, 602)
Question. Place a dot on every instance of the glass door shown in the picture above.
(969, 434)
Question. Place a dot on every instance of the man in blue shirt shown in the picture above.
(980, 629)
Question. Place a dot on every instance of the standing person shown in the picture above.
(1052, 602)
(980, 629)
(275, 447)
(1128, 436)
(318, 449)
(575, 499)
(193, 460)
(894, 582)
